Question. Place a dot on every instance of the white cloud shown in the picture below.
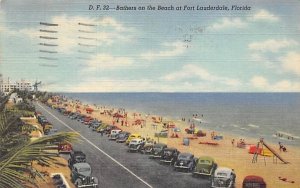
(100, 61)
(263, 84)
(264, 15)
(291, 62)
(196, 72)
(174, 49)
(228, 23)
(116, 85)
(272, 45)
(111, 22)
(259, 82)
(136, 85)
(236, 22)
(190, 71)
(168, 83)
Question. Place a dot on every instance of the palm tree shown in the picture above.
(17, 152)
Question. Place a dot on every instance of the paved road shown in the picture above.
(114, 166)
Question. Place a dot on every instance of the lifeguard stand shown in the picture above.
(260, 147)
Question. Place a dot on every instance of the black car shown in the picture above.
(109, 128)
(157, 150)
(42, 120)
(122, 137)
(61, 110)
(169, 156)
(94, 124)
(81, 118)
(76, 157)
(185, 161)
(74, 116)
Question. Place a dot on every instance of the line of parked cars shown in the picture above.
(81, 171)
(48, 128)
(204, 166)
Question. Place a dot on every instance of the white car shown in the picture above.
(223, 178)
(135, 144)
(113, 134)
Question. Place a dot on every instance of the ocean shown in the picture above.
(257, 115)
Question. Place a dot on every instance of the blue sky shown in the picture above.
(164, 51)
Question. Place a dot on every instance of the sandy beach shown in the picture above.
(276, 174)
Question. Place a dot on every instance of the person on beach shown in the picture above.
(212, 135)
(281, 147)
(193, 128)
(232, 142)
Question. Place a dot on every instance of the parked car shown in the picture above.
(185, 161)
(81, 176)
(223, 177)
(205, 166)
(76, 157)
(105, 129)
(132, 136)
(122, 137)
(95, 121)
(42, 119)
(95, 124)
(50, 131)
(101, 128)
(254, 182)
(64, 147)
(135, 145)
(157, 151)
(162, 134)
(47, 127)
(61, 110)
(113, 134)
(66, 113)
(71, 114)
(147, 148)
(81, 118)
(169, 156)
(74, 116)
(87, 120)
(109, 128)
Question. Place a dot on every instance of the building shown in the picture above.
(24, 85)
(15, 98)
(7, 86)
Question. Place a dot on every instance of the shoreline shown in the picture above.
(213, 120)
(224, 153)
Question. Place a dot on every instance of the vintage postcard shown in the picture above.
(156, 93)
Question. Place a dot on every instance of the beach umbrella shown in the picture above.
(117, 115)
(89, 110)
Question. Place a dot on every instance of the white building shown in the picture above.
(15, 98)
(7, 86)
(24, 85)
